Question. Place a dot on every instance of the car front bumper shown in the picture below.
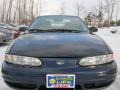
(35, 78)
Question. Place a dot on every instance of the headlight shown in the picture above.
(22, 60)
(96, 60)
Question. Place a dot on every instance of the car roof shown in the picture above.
(58, 16)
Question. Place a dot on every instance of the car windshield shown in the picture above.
(58, 23)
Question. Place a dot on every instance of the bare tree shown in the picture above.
(15, 15)
(19, 11)
(62, 8)
(24, 14)
(40, 3)
(110, 7)
(8, 16)
(117, 10)
(100, 15)
(79, 8)
(32, 9)
(3, 10)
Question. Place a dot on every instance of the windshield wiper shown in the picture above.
(65, 30)
(54, 30)
(36, 30)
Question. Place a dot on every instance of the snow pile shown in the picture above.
(2, 53)
(107, 31)
(113, 40)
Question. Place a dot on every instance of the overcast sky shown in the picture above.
(53, 6)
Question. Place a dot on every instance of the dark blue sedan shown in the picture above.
(59, 52)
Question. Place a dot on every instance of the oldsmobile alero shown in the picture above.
(59, 51)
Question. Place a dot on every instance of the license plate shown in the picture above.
(60, 81)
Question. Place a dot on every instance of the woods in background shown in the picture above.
(19, 11)
(24, 11)
(105, 14)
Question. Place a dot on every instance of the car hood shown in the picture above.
(59, 45)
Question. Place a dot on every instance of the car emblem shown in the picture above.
(60, 62)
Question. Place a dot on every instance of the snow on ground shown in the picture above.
(2, 84)
(113, 40)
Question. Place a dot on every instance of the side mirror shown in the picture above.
(23, 29)
(93, 29)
